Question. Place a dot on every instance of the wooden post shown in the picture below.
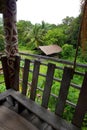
(11, 61)
(11, 36)
(2, 3)
(11, 75)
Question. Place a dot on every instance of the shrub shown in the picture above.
(68, 51)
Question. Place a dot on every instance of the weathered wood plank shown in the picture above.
(5, 71)
(48, 85)
(5, 94)
(34, 79)
(67, 76)
(25, 76)
(11, 81)
(55, 121)
(81, 107)
(10, 120)
(15, 83)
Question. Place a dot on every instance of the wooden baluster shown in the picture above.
(81, 107)
(66, 78)
(25, 76)
(48, 84)
(34, 80)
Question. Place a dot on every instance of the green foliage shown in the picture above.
(36, 35)
(71, 29)
(1, 38)
(2, 88)
(55, 36)
(1, 42)
(24, 28)
(68, 51)
(31, 36)
(1, 21)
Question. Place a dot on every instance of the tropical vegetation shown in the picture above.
(32, 36)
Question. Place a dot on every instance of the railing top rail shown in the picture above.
(54, 59)
(62, 61)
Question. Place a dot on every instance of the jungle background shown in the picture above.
(31, 36)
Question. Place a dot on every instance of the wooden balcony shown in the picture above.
(43, 93)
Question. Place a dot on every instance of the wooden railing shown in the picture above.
(44, 60)
(35, 71)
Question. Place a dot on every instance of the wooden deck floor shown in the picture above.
(10, 120)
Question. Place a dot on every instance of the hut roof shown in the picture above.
(51, 49)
